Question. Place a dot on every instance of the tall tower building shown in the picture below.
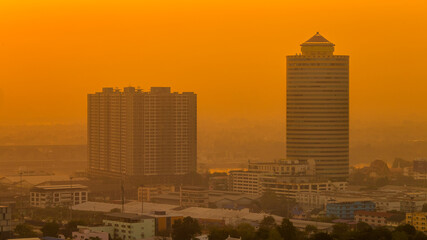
(137, 133)
(317, 123)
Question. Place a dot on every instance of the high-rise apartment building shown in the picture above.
(138, 133)
(317, 108)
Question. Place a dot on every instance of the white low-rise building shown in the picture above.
(58, 195)
(284, 177)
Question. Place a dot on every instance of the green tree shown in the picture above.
(71, 227)
(269, 201)
(246, 231)
(363, 230)
(363, 227)
(420, 236)
(274, 235)
(310, 229)
(220, 233)
(380, 233)
(321, 236)
(24, 231)
(340, 231)
(263, 233)
(408, 229)
(287, 230)
(185, 229)
(398, 235)
(50, 229)
(268, 222)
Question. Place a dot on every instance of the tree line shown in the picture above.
(268, 229)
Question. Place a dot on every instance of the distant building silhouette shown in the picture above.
(318, 108)
(137, 133)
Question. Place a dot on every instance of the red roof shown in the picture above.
(374, 214)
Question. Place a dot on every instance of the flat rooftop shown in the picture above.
(59, 187)
(127, 216)
(229, 216)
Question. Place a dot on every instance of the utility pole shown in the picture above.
(180, 195)
(72, 198)
(123, 194)
(21, 204)
(142, 199)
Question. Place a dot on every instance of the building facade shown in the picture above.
(164, 222)
(129, 226)
(244, 182)
(346, 210)
(192, 196)
(375, 219)
(88, 234)
(317, 107)
(418, 171)
(418, 220)
(145, 193)
(284, 178)
(138, 133)
(284, 167)
(290, 187)
(6, 229)
(58, 195)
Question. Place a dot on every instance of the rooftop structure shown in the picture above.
(126, 217)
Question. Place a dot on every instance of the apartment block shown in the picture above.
(142, 133)
(418, 220)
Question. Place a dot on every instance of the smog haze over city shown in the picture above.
(282, 109)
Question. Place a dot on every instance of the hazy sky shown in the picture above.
(231, 53)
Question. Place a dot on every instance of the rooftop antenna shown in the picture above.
(72, 198)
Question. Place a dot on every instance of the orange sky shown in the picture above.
(231, 53)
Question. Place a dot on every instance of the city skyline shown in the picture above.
(213, 120)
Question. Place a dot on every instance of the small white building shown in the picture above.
(284, 177)
(130, 226)
(58, 195)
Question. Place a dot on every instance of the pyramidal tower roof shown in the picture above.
(318, 39)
